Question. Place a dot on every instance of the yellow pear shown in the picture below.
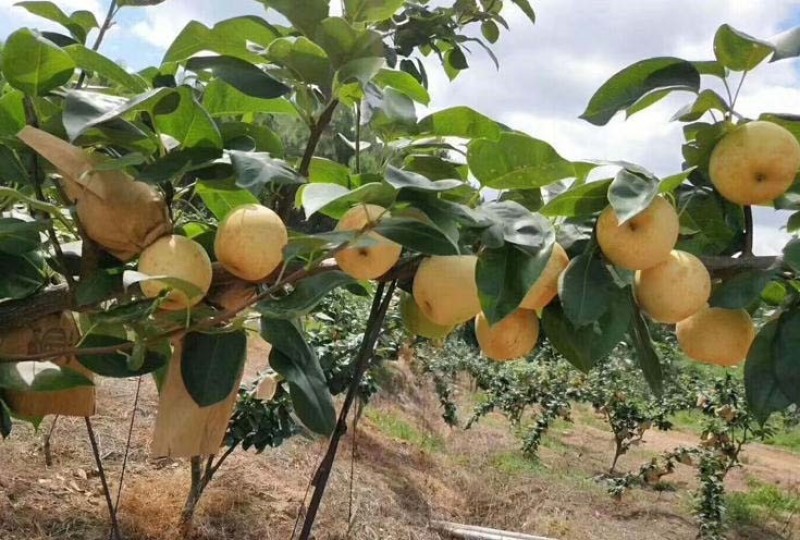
(755, 163)
(176, 257)
(717, 336)
(445, 289)
(373, 259)
(673, 290)
(546, 287)
(513, 337)
(641, 242)
(124, 216)
(249, 242)
(417, 323)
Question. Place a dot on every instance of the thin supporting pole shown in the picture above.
(96, 451)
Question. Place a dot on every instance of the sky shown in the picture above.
(548, 71)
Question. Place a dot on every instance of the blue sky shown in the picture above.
(548, 71)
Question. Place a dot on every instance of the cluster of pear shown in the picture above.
(754, 163)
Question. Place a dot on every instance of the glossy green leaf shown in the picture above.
(585, 345)
(390, 114)
(403, 83)
(742, 290)
(627, 86)
(504, 276)
(242, 75)
(230, 37)
(761, 385)
(190, 124)
(516, 161)
(650, 98)
(526, 8)
(371, 10)
(22, 275)
(460, 122)
(785, 347)
(738, 51)
(706, 101)
(94, 62)
(35, 65)
(18, 236)
(115, 364)
(212, 364)
(305, 15)
(79, 23)
(296, 362)
(344, 42)
(305, 296)
(646, 355)
(586, 289)
(417, 236)
(250, 137)
(222, 99)
(490, 31)
(631, 193)
(703, 224)
(671, 183)
(12, 113)
(400, 179)
(325, 171)
(791, 254)
(582, 200)
(334, 200)
(40, 377)
(518, 225)
(255, 170)
(222, 197)
(304, 59)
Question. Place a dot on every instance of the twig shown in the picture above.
(115, 535)
(377, 314)
(128, 442)
(107, 23)
(316, 134)
(48, 455)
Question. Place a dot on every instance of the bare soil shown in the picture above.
(477, 477)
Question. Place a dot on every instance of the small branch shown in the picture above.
(115, 535)
(721, 266)
(747, 249)
(358, 142)
(380, 305)
(48, 455)
(316, 134)
(128, 442)
(107, 23)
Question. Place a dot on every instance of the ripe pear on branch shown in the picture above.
(122, 215)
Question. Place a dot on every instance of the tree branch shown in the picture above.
(316, 134)
(747, 249)
(107, 23)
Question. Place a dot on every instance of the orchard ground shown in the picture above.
(410, 468)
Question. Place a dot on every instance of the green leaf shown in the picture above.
(18, 236)
(40, 377)
(12, 113)
(791, 254)
(671, 183)
(83, 109)
(647, 100)
(305, 15)
(785, 347)
(417, 236)
(211, 365)
(400, 179)
(761, 384)
(334, 200)
(390, 113)
(255, 170)
(344, 43)
(627, 86)
(222, 197)
(91, 61)
(707, 100)
(646, 355)
(305, 296)
(190, 123)
(585, 345)
(742, 290)
(504, 276)
(516, 161)
(370, 10)
(242, 75)
(304, 59)
(52, 12)
(703, 223)
(21, 275)
(579, 201)
(518, 225)
(296, 362)
(490, 31)
(526, 8)
(403, 83)
(231, 37)
(738, 51)
(586, 289)
(325, 171)
(250, 137)
(631, 193)
(115, 364)
(222, 99)
(460, 122)
(35, 65)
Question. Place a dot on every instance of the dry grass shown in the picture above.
(409, 468)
